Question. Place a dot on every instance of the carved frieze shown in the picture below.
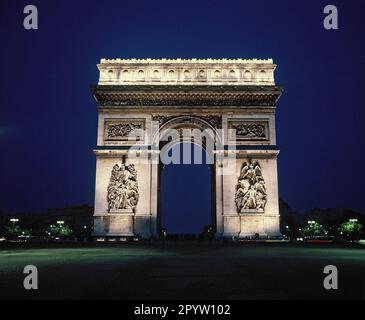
(207, 96)
(186, 100)
(186, 71)
(122, 130)
(123, 193)
(249, 130)
(250, 189)
(162, 119)
(214, 120)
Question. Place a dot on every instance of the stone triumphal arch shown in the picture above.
(144, 104)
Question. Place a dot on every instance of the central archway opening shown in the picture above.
(187, 200)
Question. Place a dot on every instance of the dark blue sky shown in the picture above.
(48, 116)
(186, 193)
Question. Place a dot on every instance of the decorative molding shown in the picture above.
(123, 129)
(214, 120)
(162, 119)
(124, 96)
(186, 72)
(257, 154)
(180, 60)
(251, 193)
(123, 193)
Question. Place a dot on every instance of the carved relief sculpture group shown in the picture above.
(123, 130)
(250, 189)
(250, 130)
(123, 191)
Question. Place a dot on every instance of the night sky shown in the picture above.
(48, 117)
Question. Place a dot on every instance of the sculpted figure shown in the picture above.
(123, 188)
(250, 188)
(250, 198)
(260, 202)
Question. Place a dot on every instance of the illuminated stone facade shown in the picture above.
(236, 96)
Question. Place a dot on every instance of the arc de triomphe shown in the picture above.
(139, 99)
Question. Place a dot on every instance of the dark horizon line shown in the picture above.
(92, 206)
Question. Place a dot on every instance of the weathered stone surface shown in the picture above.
(186, 71)
(157, 96)
(251, 192)
(123, 193)
(238, 96)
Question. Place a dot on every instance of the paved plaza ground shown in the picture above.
(182, 271)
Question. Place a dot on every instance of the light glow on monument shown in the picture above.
(146, 106)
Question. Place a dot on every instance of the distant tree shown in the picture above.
(333, 217)
(26, 232)
(59, 230)
(2, 228)
(65, 231)
(313, 229)
(13, 231)
(290, 220)
(207, 233)
(351, 229)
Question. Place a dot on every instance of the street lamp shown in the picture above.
(14, 221)
(353, 220)
(61, 222)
